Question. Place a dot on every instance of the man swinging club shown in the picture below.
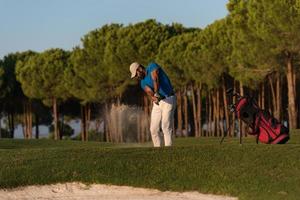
(157, 85)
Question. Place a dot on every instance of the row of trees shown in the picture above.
(254, 50)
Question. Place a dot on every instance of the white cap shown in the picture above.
(133, 67)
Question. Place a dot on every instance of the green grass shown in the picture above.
(247, 171)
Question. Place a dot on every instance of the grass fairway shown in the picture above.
(247, 171)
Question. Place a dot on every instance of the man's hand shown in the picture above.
(154, 97)
(159, 97)
(156, 94)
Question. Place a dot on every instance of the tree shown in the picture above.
(251, 60)
(42, 77)
(280, 33)
(87, 76)
(248, 61)
(86, 82)
(12, 95)
(271, 36)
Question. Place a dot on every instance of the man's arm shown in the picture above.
(149, 92)
(154, 76)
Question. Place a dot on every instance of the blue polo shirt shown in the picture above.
(165, 87)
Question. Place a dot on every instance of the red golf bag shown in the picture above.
(265, 127)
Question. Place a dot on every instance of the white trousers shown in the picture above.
(162, 116)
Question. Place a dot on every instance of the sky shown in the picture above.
(42, 24)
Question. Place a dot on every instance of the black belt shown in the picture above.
(171, 94)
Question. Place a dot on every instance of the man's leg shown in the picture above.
(155, 125)
(168, 106)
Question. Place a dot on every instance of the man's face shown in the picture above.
(140, 73)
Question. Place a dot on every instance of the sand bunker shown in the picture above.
(79, 191)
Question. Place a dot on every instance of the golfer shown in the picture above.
(157, 85)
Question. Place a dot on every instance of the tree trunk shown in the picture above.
(61, 127)
(274, 100)
(107, 131)
(210, 132)
(259, 96)
(278, 96)
(292, 109)
(88, 119)
(226, 112)
(222, 118)
(199, 110)
(37, 132)
(83, 122)
(214, 113)
(195, 112)
(207, 113)
(186, 122)
(218, 113)
(213, 110)
(263, 96)
(30, 119)
(233, 126)
(241, 124)
(27, 121)
(11, 124)
(221, 113)
(55, 116)
(24, 120)
(179, 113)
